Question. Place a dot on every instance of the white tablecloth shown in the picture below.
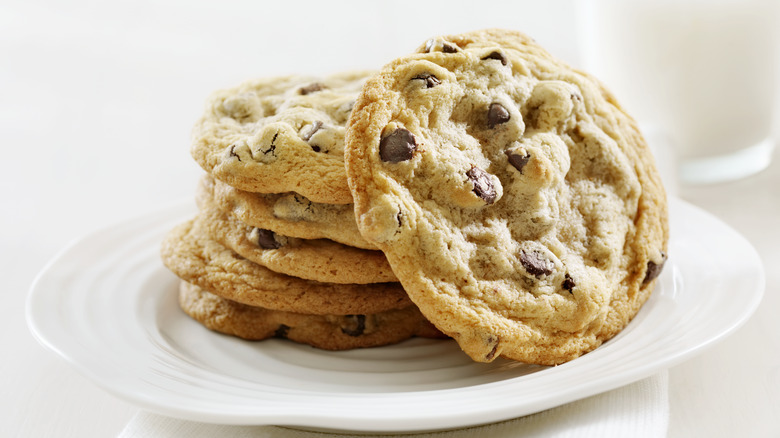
(638, 410)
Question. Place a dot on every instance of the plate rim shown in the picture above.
(373, 422)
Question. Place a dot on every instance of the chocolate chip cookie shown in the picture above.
(516, 201)
(329, 332)
(318, 259)
(289, 214)
(280, 134)
(193, 256)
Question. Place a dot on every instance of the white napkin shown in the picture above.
(637, 410)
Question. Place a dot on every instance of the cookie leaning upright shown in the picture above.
(516, 202)
(280, 134)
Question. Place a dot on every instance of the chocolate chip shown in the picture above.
(448, 48)
(654, 269)
(483, 186)
(492, 353)
(266, 239)
(535, 263)
(311, 88)
(430, 45)
(282, 331)
(568, 283)
(518, 160)
(310, 130)
(398, 146)
(357, 325)
(497, 115)
(498, 56)
(430, 80)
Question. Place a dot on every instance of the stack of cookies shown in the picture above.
(275, 249)
(478, 188)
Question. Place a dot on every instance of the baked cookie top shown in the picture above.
(516, 201)
(280, 134)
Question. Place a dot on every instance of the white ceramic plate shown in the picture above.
(107, 305)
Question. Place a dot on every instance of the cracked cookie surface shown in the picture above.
(516, 201)
(280, 134)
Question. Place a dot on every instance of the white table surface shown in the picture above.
(96, 106)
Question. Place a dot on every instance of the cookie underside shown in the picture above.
(329, 332)
(193, 256)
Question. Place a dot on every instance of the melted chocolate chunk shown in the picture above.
(517, 160)
(535, 263)
(654, 269)
(311, 88)
(311, 130)
(448, 48)
(492, 352)
(483, 186)
(568, 283)
(266, 239)
(430, 80)
(357, 325)
(398, 146)
(282, 331)
(430, 45)
(498, 56)
(497, 115)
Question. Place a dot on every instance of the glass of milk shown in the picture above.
(702, 72)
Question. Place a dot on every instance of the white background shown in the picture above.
(97, 100)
